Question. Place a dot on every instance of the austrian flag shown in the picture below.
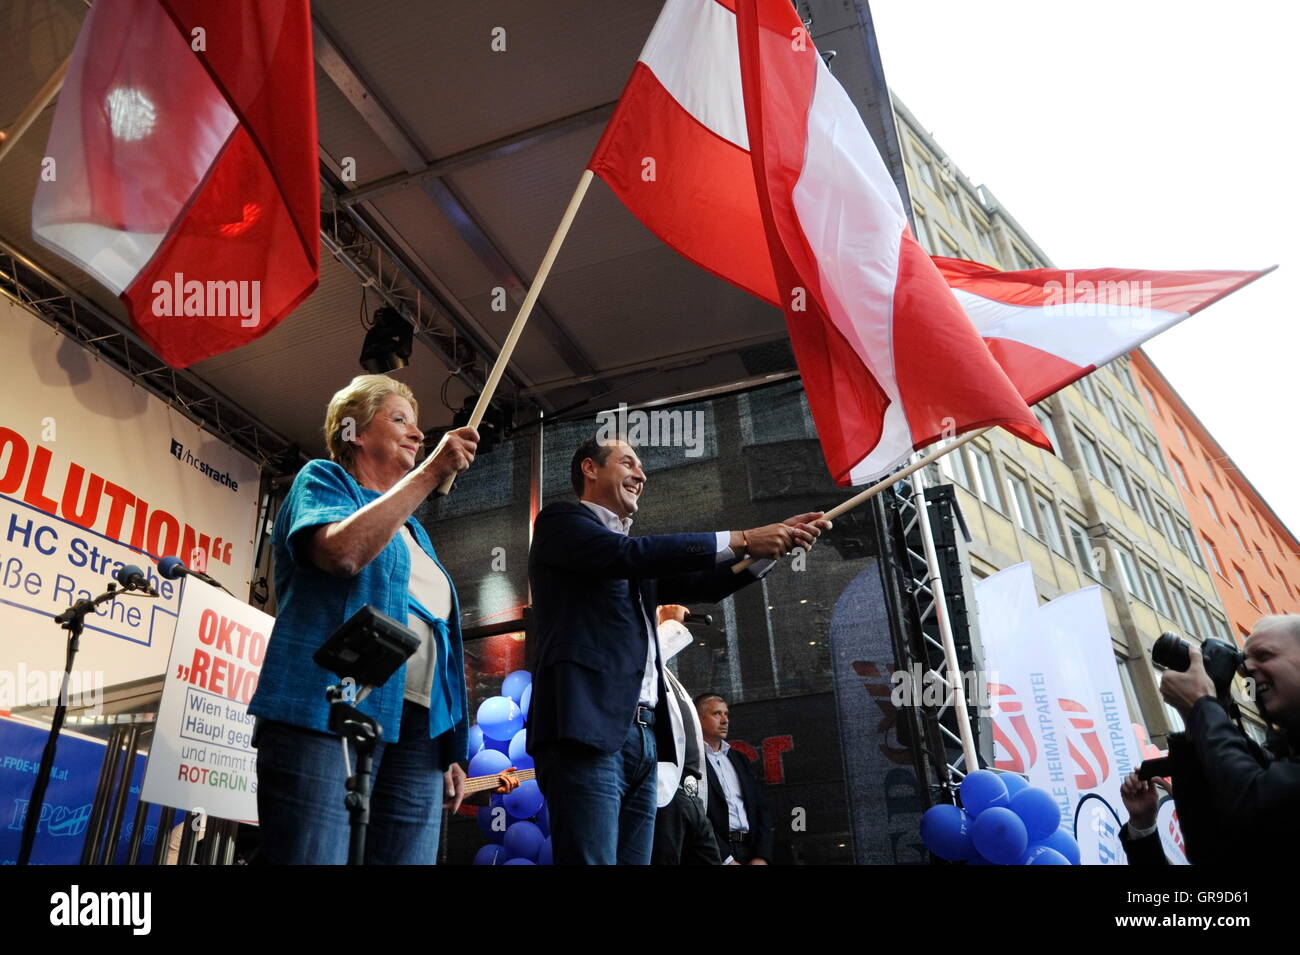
(764, 174)
(183, 173)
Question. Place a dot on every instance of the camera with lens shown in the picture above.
(1222, 660)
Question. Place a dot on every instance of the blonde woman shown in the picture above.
(345, 538)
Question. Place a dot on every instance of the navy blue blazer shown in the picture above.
(591, 637)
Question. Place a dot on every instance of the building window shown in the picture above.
(947, 247)
(1237, 530)
(1182, 433)
(1050, 525)
(1022, 505)
(1154, 455)
(953, 467)
(926, 173)
(1128, 571)
(1209, 464)
(986, 486)
(1245, 585)
(1082, 547)
(1126, 376)
(1155, 588)
(983, 235)
(1209, 502)
(1117, 480)
(1091, 457)
(1134, 434)
(1109, 410)
(1221, 627)
(1049, 428)
(1182, 475)
(1285, 583)
(1182, 612)
(1214, 556)
(1189, 543)
(1152, 403)
(923, 232)
(1268, 601)
(953, 203)
(1166, 521)
(1085, 385)
(1143, 500)
(1202, 620)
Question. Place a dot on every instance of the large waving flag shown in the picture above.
(1050, 327)
(184, 173)
(735, 145)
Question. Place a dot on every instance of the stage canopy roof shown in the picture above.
(465, 157)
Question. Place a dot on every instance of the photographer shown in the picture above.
(1236, 802)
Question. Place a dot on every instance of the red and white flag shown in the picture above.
(1050, 327)
(736, 145)
(181, 168)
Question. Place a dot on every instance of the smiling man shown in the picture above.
(1236, 802)
(599, 719)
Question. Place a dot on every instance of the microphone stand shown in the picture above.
(72, 620)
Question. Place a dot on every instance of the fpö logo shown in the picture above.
(1084, 745)
(185, 456)
(1009, 720)
(1018, 750)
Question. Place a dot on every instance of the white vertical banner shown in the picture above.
(1059, 713)
(202, 757)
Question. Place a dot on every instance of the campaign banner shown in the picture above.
(65, 814)
(95, 473)
(202, 758)
(1059, 713)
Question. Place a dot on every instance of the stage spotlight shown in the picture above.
(388, 343)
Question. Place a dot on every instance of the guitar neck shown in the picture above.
(478, 784)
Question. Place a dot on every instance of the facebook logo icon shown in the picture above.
(176, 448)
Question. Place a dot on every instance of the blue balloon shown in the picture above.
(945, 830)
(490, 855)
(1043, 855)
(1014, 782)
(1038, 811)
(514, 685)
(475, 739)
(500, 718)
(980, 790)
(500, 745)
(488, 762)
(525, 800)
(527, 701)
(999, 835)
(518, 751)
(487, 815)
(544, 855)
(524, 841)
(1064, 843)
(521, 862)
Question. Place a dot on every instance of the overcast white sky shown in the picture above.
(1144, 134)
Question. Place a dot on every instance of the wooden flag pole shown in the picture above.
(845, 506)
(46, 94)
(503, 359)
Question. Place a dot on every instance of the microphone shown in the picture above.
(132, 577)
(173, 568)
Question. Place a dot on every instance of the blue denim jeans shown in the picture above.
(300, 794)
(601, 805)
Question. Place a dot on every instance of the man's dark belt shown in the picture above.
(645, 715)
(738, 837)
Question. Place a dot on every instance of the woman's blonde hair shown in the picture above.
(352, 409)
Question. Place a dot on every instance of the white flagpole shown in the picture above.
(503, 359)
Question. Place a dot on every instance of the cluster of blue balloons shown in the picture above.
(516, 824)
(1002, 820)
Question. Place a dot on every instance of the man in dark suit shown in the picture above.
(741, 821)
(598, 716)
